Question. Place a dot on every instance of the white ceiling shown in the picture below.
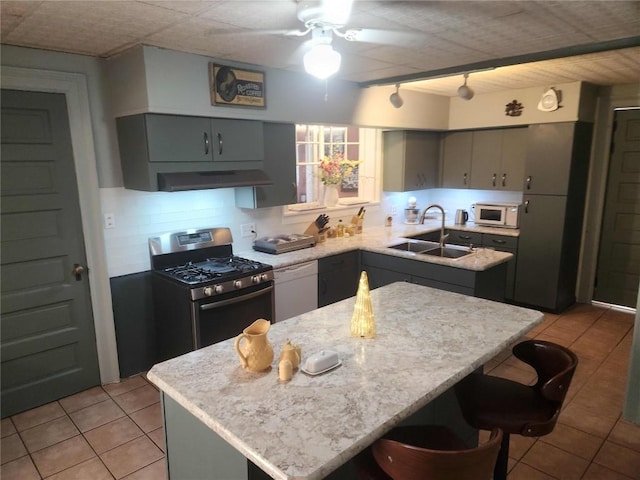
(437, 37)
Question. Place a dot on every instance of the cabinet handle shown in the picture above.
(529, 178)
(504, 179)
(219, 144)
(526, 206)
(499, 242)
(464, 237)
(494, 179)
(464, 178)
(206, 143)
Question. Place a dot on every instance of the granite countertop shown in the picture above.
(378, 238)
(427, 340)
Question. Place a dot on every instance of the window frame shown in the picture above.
(369, 176)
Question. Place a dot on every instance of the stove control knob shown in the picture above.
(264, 277)
(255, 279)
(210, 291)
(237, 284)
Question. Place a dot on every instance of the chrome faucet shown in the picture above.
(443, 237)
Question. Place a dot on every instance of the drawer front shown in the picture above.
(347, 261)
(499, 241)
(464, 237)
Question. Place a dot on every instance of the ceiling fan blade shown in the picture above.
(336, 12)
(243, 31)
(386, 37)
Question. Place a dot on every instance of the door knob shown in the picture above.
(77, 271)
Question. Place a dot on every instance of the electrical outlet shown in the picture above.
(394, 209)
(109, 220)
(247, 229)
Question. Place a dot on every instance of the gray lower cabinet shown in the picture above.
(338, 277)
(504, 243)
(384, 269)
(410, 160)
(280, 167)
(540, 253)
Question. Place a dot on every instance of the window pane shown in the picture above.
(353, 134)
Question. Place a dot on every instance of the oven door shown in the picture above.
(226, 316)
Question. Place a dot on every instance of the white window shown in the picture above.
(357, 149)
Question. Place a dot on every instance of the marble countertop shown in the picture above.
(427, 340)
(378, 239)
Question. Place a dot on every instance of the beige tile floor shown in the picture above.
(115, 431)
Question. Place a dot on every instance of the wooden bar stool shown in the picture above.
(489, 402)
(427, 453)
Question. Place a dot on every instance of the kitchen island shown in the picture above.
(218, 415)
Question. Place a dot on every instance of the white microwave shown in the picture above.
(497, 214)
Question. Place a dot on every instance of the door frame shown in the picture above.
(607, 104)
(74, 87)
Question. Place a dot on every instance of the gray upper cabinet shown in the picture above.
(549, 157)
(152, 144)
(280, 167)
(456, 169)
(171, 138)
(497, 159)
(486, 152)
(410, 160)
(237, 140)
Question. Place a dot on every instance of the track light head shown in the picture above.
(395, 98)
(465, 92)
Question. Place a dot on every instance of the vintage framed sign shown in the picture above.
(236, 87)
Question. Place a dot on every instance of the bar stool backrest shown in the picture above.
(403, 461)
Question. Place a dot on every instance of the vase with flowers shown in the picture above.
(333, 170)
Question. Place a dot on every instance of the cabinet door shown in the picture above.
(514, 152)
(549, 156)
(456, 169)
(337, 278)
(237, 140)
(485, 159)
(504, 243)
(410, 160)
(280, 167)
(173, 138)
(540, 250)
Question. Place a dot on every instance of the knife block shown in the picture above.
(319, 235)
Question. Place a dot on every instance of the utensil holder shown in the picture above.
(357, 223)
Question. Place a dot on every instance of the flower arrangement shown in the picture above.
(334, 169)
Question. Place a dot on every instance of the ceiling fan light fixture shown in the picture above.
(464, 91)
(395, 98)
(322, 61)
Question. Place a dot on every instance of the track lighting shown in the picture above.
(465, 92)
(395, 98)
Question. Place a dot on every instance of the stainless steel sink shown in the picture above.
(415, 246)
(447, 252)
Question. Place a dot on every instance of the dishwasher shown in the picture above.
(296, 289)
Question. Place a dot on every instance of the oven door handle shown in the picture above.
(231, 301)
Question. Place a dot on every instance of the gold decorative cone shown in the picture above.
(363, 324)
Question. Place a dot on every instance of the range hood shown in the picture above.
(181, 181)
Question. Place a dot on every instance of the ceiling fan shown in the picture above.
(326, 18)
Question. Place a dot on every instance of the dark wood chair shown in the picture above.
(489, 402)
(427, 453)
